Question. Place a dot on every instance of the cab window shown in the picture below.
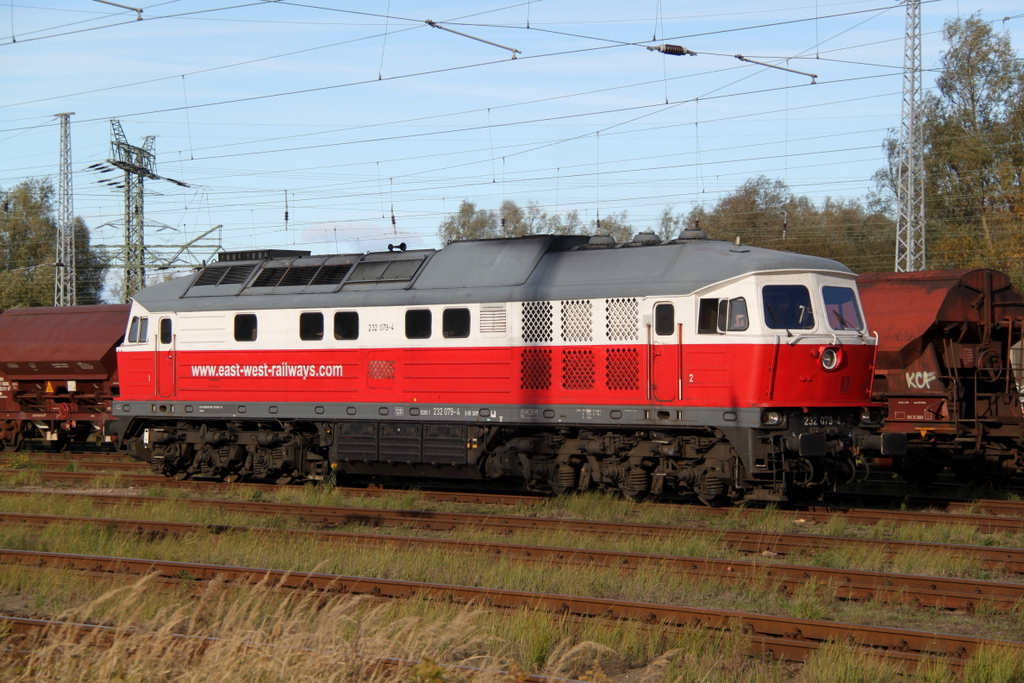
(455, 322)
(787, 307)
(138, 331)
(732, 315)
(245, 327)
(311, 326)
(166, 331)
(346, 325)
(417, 324)
(707, 317)
(841, 308)
(664, 319)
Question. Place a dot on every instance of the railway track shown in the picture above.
(89, 463)
(1006, 559)
(923, 591)
(991, 517)
(773, 634)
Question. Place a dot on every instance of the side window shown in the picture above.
(707, 317)
(417, 324)
(841, 308)
(787, 307)
(664, 319)
(455, 322)
(133, 330)
(245, 327)
(346, 325)
(166, 331)
(732, 315)
(143, 330)
(311, 326)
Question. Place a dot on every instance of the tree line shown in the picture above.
(760, 212)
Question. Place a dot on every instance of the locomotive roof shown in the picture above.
(538, 267)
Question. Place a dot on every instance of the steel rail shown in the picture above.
(999, 558)
(923, 591)
(89, 463)
(986, 506)
(869, 637)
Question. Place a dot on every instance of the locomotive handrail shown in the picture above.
(835, 340)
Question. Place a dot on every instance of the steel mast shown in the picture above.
(910, 232)
(64, 291)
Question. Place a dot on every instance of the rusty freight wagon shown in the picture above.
(58, 373)
(944, 370)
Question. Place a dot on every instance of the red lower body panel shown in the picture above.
(710, 375)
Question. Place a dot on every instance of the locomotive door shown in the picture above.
(165, 358)
(664, 350)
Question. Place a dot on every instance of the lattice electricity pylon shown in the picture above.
(137, 163)
(910, 228)
(64, 290)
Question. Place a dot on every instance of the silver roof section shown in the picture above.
(539, 267)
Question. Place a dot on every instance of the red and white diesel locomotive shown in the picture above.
(689, 368)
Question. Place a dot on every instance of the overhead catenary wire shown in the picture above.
(513, 172)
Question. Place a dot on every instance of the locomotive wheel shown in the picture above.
(284, 480)
(990, 365)
(711, 490)
(181, 476)
(232, 478)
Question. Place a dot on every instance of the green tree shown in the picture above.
(468, 223)
(511, 220)
(616, 224)
(27, 249)
(765, 213)
(973, 155)
(974, 152)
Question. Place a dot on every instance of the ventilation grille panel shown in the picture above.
(576, 321)
(622, 370)
(622, 320)
(537, 321)
(493, 318)
(578, 369)
(535, 368)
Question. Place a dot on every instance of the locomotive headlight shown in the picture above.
(772, 418)
(830, 358)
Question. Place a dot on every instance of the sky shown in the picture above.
(340, 127)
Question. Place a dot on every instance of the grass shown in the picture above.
(257, 634)
(265, 636)
(526, 640)
(270, 549)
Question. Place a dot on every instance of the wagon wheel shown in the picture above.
(15, 443)
(990, 365)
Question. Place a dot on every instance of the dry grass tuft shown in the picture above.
(257, 634)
